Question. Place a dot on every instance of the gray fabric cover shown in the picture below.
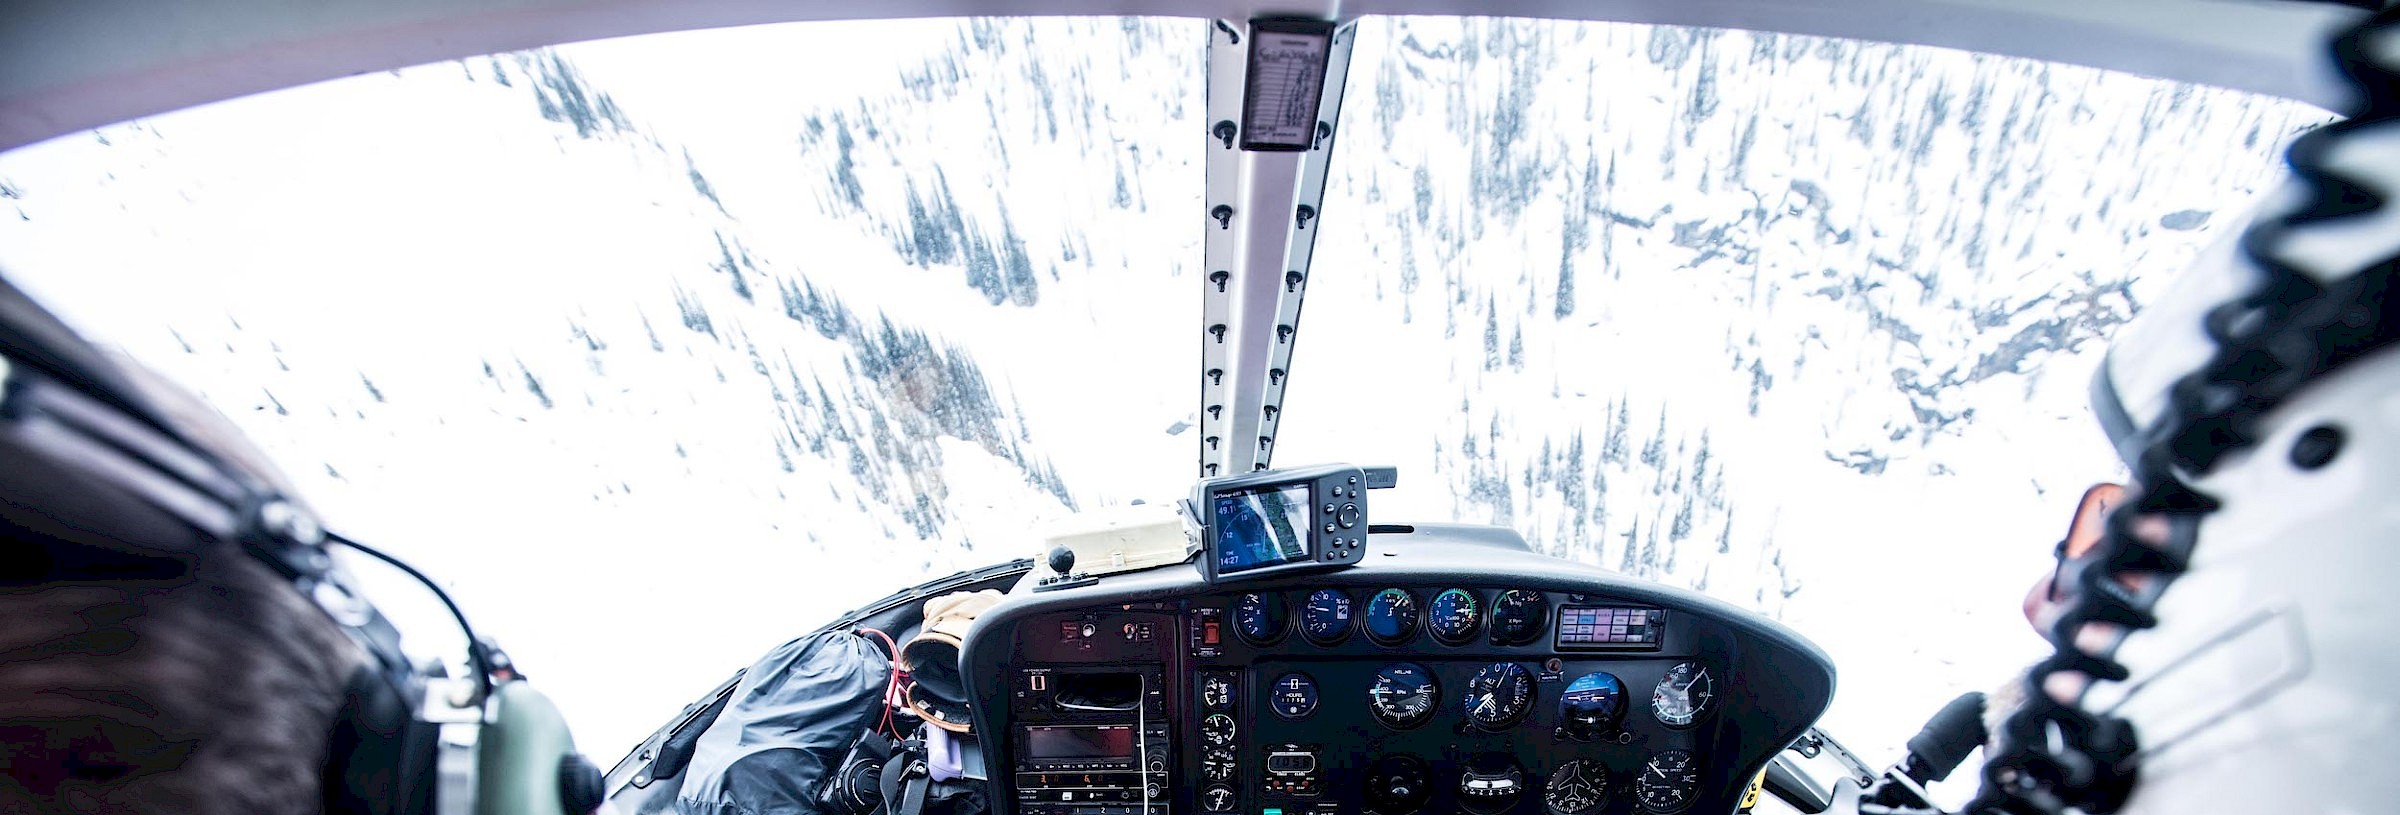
(787, 725)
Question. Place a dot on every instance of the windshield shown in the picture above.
(686, 343)
(1806, 324)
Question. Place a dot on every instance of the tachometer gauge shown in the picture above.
(1217, 798)
(1499, 695)
(1592, 705)
(1668, 782)
(1260, 618)
(1294, 696)
(1326, 618)
(1519, 616)
(1217, 730)
(1578, 787)
(1683, 696)
(1392, 616)
(1404, 695)
(1453, 616)
(1216, 692)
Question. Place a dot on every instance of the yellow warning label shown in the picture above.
(1750, 798)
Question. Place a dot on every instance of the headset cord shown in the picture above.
(2299, 323)
(1141, 738)
(891, 686)
(480, 661)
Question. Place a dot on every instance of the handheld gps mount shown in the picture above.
(1281, 521)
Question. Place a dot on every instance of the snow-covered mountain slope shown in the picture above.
(674, 382)
(685, 343)
(1805, 324)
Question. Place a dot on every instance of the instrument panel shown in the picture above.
(1448, 674)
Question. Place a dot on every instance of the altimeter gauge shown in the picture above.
(1499, 695)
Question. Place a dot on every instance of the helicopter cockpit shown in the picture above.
(1285, 639)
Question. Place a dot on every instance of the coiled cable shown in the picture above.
(2305, 318)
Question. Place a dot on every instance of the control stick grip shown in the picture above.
(1946, 739)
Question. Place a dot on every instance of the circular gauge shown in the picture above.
(1454, 615)
(1518, 617)
(1217, 764)
(1294, 696)
(1404, 695)
(1326, 618)
(1217, 730)
(1260, 618)
(1499, 695)
(1392, 616)
(1682, 697)
(1490, 783)
(1217, 798)
(1397, 785)
(1592, 705)
(1668, 782)
(1216, 692)
(1578, 787)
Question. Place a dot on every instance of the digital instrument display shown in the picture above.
(1277, 522)
(1286, 82)
(1262, 527)
(1593, 627)
(1079, 741)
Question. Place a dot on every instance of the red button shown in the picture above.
(1208, 633)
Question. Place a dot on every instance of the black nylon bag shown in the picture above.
(786, 727)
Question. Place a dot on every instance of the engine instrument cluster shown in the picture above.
(1356, 693)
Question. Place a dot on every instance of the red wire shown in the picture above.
(890, 687)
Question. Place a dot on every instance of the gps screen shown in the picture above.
(1262, 527)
